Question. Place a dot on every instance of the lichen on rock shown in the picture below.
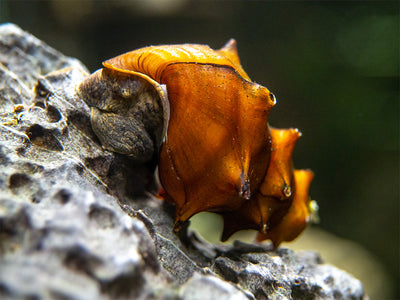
(75, 222)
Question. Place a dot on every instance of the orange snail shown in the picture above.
(200, 111)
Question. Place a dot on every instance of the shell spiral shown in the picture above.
(218, 152)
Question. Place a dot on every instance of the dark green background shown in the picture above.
(334, 67)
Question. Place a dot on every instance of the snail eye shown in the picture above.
(272, 97)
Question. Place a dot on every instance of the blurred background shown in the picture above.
(334, 68)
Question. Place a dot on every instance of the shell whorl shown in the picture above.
(153, 60)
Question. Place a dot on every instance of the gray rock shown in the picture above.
(210, 287)
(76, 221)
(28, 57)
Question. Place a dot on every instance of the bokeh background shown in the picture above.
(334, 67)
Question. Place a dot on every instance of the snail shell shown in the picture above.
(217, 151)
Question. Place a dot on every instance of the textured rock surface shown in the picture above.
(72, 223)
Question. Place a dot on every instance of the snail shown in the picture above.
(196, 110)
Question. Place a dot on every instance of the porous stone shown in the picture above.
(28, 57)
(76, 221)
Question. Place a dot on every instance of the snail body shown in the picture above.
(210, 127)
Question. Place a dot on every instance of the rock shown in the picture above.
(76, 221)
(211, 288)
(28, 58)
(284, 274)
